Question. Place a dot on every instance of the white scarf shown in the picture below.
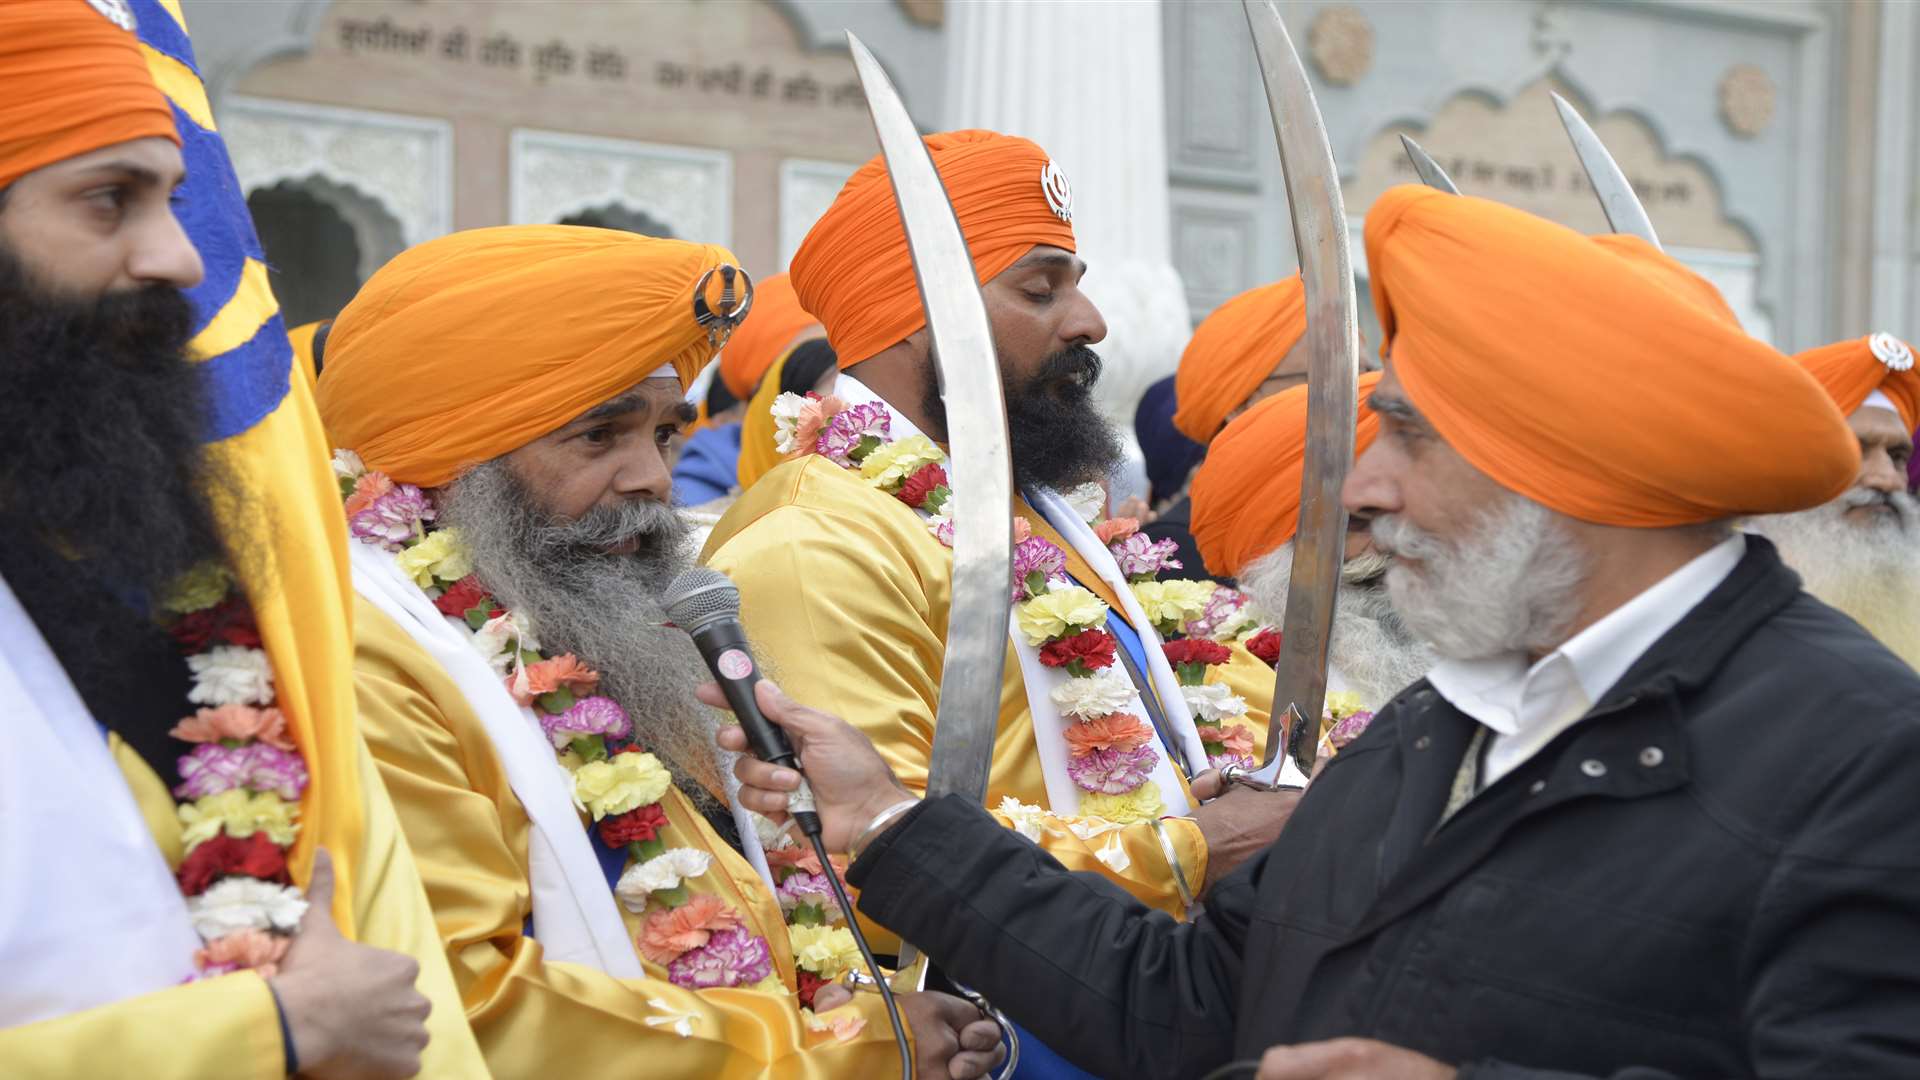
(90, 913)
(574, 911)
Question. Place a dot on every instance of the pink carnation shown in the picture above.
(1139, 555)
(842, 434)
(813, 416)
(1349, 729)
(1231, 761)
(1224, 604)
(1036, 555)
(215, 767)
(1112, 772)
(393, 518)
(801, 889)
(595, 715)
(734, 957)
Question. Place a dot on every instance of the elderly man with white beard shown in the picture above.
(1246, 509)
(504, 401)
(1648, 816)
(1861, 552)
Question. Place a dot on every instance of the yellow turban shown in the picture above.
(1851, 370)
(853, 270)
(1571, 371)
(768, 332)
(1233, 351)
(473, 345)
(758, 455)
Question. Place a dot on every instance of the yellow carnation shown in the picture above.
(440, 555)
(241, 813)
(1170, 605)
(889, 466)
(1141, 804)
(621, 783)
(1343, 703)
(1064, 610)
(197, 589)
(827, 951)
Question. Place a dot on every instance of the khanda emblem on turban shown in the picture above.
(1059, 192)
(116, 12)
(723, 316)
(1891, 351)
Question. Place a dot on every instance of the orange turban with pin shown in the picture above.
(72, 81)
(768, 332)
(1233, 351)
(853, 270)
(475, 344)
(1573, 370)
(1246, 494)
(1851, 371)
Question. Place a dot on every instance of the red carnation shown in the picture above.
(810, 985)
(223, 856)
(1092, 648)
(465, 595)
(1196, 651)
(921, 484)
(229, 622)
(1266, 645)
(633, 827)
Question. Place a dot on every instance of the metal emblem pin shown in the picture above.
(1053, 181)
(117, 12)
(1891, 351)
(720, 323)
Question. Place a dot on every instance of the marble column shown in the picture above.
(1083, 78)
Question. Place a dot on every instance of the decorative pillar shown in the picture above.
(1084, 79)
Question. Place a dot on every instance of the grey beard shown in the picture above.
(1510, 585)
(604, 609)
(1371, 646)
(1867, 570)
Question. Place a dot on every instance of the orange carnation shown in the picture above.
(673, 931)
(237, 722)
(367, 490)
(252, 950)
(1116, 529)
(1115, 731)
(565, 670)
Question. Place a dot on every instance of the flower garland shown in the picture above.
(700, 939)
(1345, 717)
(240, 785)
(1112, 753)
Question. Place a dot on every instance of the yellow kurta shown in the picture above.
(537, 1018)
(228, 1026)
(845, 593)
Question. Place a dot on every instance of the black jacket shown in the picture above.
(1715, 874)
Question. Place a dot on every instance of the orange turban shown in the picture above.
(1852, 370)
(1233, 351)
(775, 321)
(72, 81)
(473, 345)
(853, 270)
(1246, 494)
(1573, 372)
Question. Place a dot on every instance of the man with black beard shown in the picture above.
(845, 586)
(529, 707)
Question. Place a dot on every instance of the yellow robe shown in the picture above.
(845, 592)
(537, 1018)
(228, 1026)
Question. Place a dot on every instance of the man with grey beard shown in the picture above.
(524, 697)
(1650, 814)
(1859, 551)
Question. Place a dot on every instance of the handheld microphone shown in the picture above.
(706, 605)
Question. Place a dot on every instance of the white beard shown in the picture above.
(1870, 570)
(1508, 586)
(1371, 648)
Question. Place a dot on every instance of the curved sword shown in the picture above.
(1617, 199)
(1326, 267)
(981, 464)
(1429, 170)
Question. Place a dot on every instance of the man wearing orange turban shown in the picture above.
(1857, 552)
(844, 587)
(172, 757)
(1650, 813)
(1246, 509)
(504, 401)
(1246, 350)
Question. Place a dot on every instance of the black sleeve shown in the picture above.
(1112, 985)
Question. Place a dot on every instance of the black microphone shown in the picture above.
(706, 605)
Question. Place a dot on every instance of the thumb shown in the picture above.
(319, 894)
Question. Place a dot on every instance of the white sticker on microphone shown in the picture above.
(734, 664)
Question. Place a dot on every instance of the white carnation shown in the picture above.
(772, 834)
(1027, 819)
(1089, 500)
(786, 419)
(1105, 691)
(664, 871)
(231, 675)
(1213, 702)
(501, 638)
(234, 904)
(347, 465)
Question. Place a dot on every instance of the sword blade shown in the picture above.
(1429, 170)
(1617, 199)
(1326, 268)
(977, 451)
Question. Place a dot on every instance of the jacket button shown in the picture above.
(1593, 767)
(1423, 742)
(1652, 756)
(1536, 787)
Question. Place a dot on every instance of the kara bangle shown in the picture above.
(1173, 860)
(879, 823)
